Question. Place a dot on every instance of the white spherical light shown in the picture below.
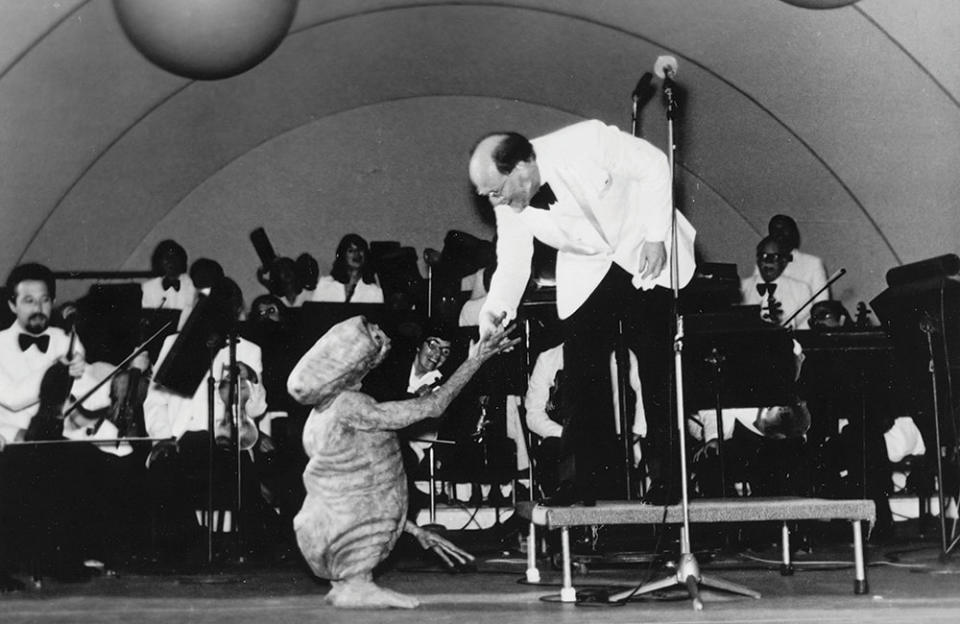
(205, 39)
(820, 4)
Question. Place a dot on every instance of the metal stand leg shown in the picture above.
(533, 573)
(786, 568)
(688, 572)
(433, 525)
(567, 592)
(860, 585)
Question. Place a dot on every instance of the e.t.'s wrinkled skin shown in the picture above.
(356, 501)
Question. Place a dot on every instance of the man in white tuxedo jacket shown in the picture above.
(602, 198)
(803, 267)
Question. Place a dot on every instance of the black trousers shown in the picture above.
(590, 335)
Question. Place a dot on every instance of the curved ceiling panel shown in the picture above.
(846, 119)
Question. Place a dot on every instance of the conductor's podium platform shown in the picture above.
(779, 509)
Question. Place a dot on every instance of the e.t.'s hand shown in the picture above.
(442, 547)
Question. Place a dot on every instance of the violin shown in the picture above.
(55, 388)
(55, 420)
(128, 391)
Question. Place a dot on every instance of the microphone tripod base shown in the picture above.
(687, 575)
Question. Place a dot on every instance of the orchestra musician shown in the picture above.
(405, 375)
(173, 288)
(352, 278)
(46, 492)
(778, 295)
(177, 469)
(803, 267)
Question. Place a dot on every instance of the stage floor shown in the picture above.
(907, 584)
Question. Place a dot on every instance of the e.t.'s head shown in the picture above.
(503, 168)
(773, 256)
(31, 290)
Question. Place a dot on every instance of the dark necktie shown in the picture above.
(42, 341)
(764, 288)
(543, 197)
(171, 282)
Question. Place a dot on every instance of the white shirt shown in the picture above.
(704, 426)
(624, 182)
(154, 296)
(414, 383)
(329, 289)
(789, 292)
(167, 414)
(21, 373)
(808, 269)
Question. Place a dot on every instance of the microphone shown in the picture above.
(642, 89)
(665, 67)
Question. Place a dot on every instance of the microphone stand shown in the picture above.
(687, 570)
(234, 407)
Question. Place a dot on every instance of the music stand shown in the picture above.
(152, 320)
(190, 358)
(749, 364)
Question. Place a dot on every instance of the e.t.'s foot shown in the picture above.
(365, 594)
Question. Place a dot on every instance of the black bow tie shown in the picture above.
(764, 288)
(42, 341)
(543, 197)
(171, 282)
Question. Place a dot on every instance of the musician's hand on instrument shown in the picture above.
(424, 390)
(653, 259)
(141, 362)
(265, 444)
(76, 366)
(709, 449)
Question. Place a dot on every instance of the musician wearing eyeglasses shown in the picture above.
(405, 376)
(803, 267)
(777, 294)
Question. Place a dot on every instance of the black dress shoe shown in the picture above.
(567, 496)
(9, 584)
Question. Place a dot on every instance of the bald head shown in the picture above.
(503, 168)
(483, 168)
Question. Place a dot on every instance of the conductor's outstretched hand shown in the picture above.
(497, 340)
